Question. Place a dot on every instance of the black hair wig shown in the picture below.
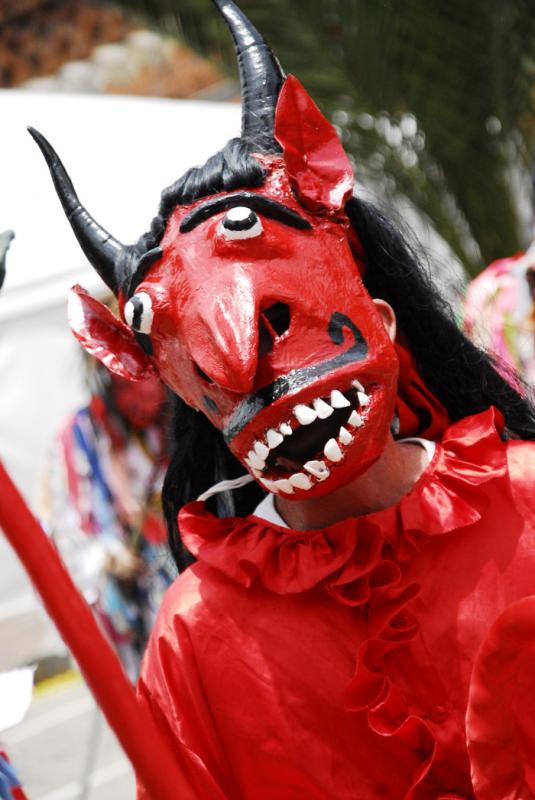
(462, 376)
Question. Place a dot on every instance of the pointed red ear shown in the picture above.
(106, 338)
(317, 164)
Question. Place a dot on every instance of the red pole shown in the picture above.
(156, 764)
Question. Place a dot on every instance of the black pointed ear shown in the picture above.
(107, 338)
(318, 166)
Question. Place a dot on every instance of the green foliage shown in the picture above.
(434, 100)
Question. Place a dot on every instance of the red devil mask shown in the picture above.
(252, 309)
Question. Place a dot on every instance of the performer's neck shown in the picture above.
(391, 477)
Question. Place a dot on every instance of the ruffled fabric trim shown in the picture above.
(446, 497)
(286, 562)
(359, 563)
(449, 496)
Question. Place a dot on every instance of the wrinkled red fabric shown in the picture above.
(337, 663)
(500, 721)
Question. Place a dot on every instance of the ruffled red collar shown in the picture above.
(359, 562)
(446, 497)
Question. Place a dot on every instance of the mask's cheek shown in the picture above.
(177, 370)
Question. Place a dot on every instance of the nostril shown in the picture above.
(277, 317)
(202, 374)
(265, 339)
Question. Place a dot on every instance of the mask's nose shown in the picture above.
(232, 328)
(232, 333)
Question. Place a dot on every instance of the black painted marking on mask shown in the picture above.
(137, 304)
(264, 205)
(210, 404)
(143, 265)
(251, 405)
(144, 342)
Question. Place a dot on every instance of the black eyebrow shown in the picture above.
(265, 205)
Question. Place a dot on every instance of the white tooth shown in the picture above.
(285, 429)
(269, 485)
(344, 436)
(254, 461)
(274, 439)
(355, 420)
(357, 385)
(338, 400)
(322, 409)
(304, 414)
(363, 398)
(318, 469)
(301, 481)
(261, 451)
(284, 486)
(332, 451)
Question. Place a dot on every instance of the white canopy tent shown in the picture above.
(120, 152)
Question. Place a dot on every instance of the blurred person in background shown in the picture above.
(100, 502)
(499, 312)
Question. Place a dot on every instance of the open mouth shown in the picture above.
(302, 451)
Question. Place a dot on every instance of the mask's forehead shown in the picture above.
(277, 187)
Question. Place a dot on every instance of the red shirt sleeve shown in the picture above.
(171, 688)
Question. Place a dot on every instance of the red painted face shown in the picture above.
(257, 316)
(269, 331)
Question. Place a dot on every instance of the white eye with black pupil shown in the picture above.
(241, 223)
(138, 312)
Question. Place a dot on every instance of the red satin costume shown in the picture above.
(337, 663)
(389, 655)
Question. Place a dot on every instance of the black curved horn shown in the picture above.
(99, 246)
(261, 77)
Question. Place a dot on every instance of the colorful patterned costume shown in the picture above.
(102, 497)
(499, 313)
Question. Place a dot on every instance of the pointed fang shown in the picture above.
(284, 486)
(274, 439)
(318, 469)
(355, 420)
(304, 414)
(332, 451)
(338, 400)
(344, 436)
(254, 461)
(261, 450)
(322, 409)
(301, 481)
